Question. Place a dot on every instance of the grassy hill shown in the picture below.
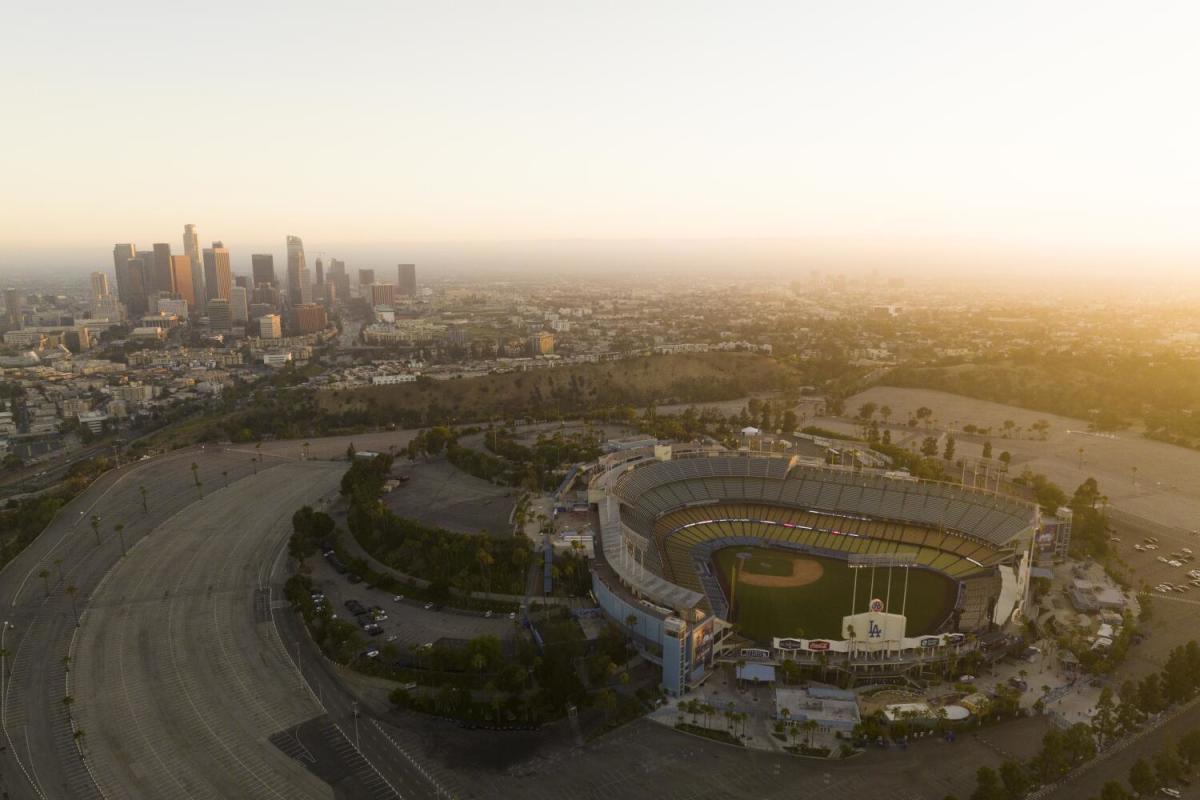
(663, 379)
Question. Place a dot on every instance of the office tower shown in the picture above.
(99, 286)
(365, 278)
(239, 304)
(220, 315)
(320, 272)
(340, 278)
(121, 255)
(262, 268)
(330, 294)
(172, 305)
(269, 327)
(299, 285)
(12, 308)
(381, 294)
(161, 272)
(137, 283)
(541, 343)
(243, 281)
(310, 318)
(266, 293)
(181, 279)
(258, 311)
(406, 279)
(191, 248)
(318, 286)
(218, 277)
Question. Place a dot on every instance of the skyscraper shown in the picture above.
(138, 282)
(99, 286)
(218, 277)
(121, 255)
(365, 278)
(406, 279)
(262, 267)
(191, 248)
(269, 326)
(340, 278)
(12, 308)
(318, 287)
(181, 279)
(160, 271)
(299, 285)
(239, 304)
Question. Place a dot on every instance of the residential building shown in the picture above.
(381, 294)
(310, 318)
(269, 327)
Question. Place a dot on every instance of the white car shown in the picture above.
(1169, 792)
(1151, 547)
(1160, 559)
(1175, 563)
(372, 653)
(1139, 548)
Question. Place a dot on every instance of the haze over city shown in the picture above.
(1052, 139)
(579, 401)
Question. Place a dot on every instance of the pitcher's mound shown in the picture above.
(804, 571)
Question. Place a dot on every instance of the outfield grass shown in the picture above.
(816, 609)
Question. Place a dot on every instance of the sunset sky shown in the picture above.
(1044, 132)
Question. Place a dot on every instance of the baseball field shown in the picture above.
(781, 593)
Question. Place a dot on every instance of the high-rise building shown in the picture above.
(330, 293)
(220, 315)
(218, 277)
(121, 255)
(137, 281)
(191, 248)
(99, 286)
(299, 284)
(406, 279)
(381, 294)
(541, 343)
(243, 281)
(310, 318)
(12, 308)
(269, 327)
(181, 279)
(239, 304)
(365, 278)
(161, 272)
(320, 272)
(340, 278)
(262, 267)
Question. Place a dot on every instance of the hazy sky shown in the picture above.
(1045, 130)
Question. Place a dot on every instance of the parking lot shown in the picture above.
(409, 623)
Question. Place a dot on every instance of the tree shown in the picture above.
(929, 447)
(1141, 777)
(987, 785)
(1189, 747)
(987, 449)
(1006, 457)
(1167, 766)
(948, 453)
(71, 591)
(1016, 781)
(196, 473)
(1104, 723)
(1113, 790)
(866, 411)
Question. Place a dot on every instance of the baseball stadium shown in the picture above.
(712, 555)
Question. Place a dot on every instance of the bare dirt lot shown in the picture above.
(438, 493)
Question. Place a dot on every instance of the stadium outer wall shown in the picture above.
(675, 627)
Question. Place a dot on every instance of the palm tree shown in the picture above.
(196, 473)
(810, 726)
(45, 576)
(96, 527)
(71, 591)
(631, 621)
(142, 492)
(120, 529)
